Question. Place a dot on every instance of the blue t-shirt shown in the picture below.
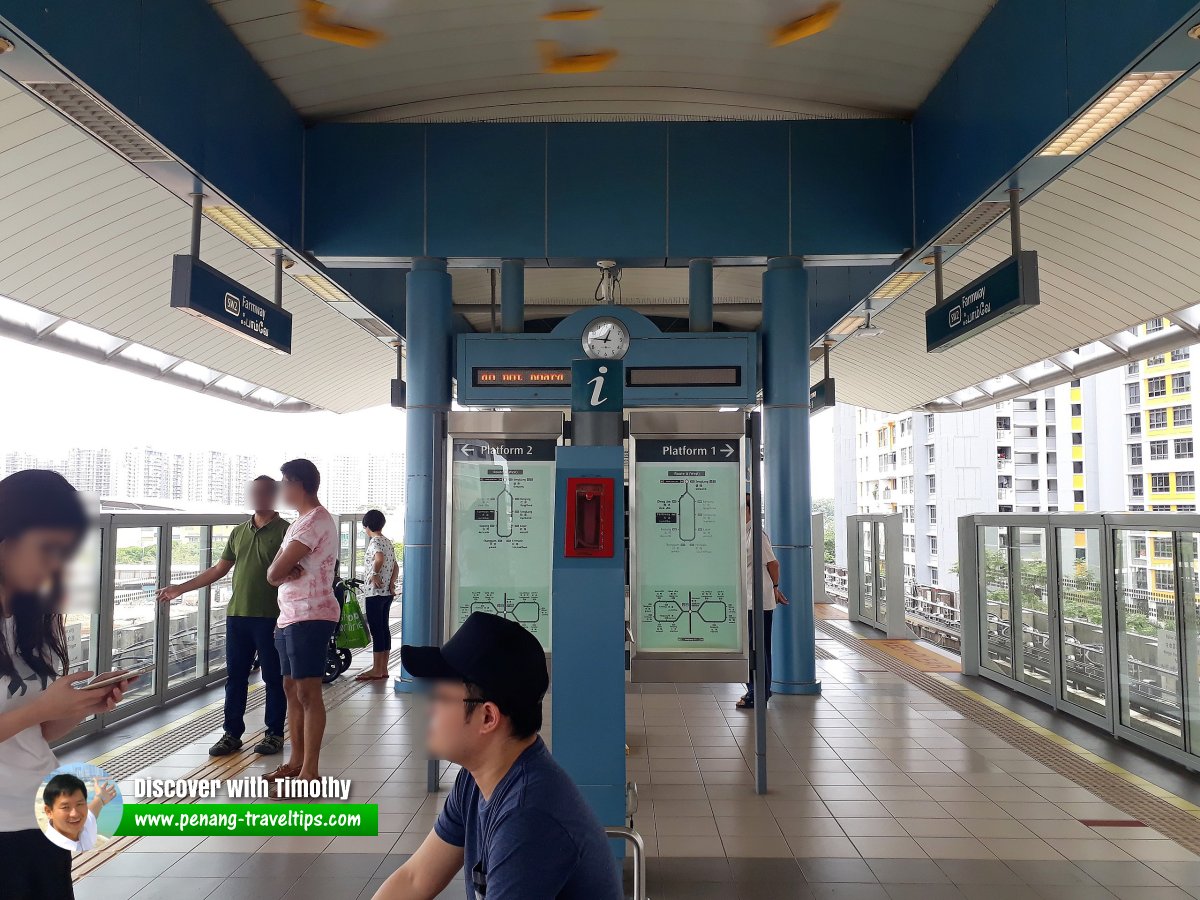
(535, 839)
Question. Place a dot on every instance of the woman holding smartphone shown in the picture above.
(42, 523)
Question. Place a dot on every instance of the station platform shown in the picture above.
(893, 783)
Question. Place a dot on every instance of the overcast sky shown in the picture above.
(53, 402)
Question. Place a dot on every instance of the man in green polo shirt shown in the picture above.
(249, 618)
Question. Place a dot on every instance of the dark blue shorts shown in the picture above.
(303, 648)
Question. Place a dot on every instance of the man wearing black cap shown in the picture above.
(514, 822)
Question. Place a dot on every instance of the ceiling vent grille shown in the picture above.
(974, 222)
(94, 117)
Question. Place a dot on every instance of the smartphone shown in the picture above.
(107, 681)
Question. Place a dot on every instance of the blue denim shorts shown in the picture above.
(303, 648)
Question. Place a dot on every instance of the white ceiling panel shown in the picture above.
(86, 236)
(1118, 241)
(465, 59)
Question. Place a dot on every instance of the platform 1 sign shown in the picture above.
(997, 295)
(199, 289)
(688, 521)
(501, 530)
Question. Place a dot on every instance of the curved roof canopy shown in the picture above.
(457, 60)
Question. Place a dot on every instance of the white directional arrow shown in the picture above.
(468, 449)
(727, 450)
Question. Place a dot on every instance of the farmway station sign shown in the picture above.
(997, 295)
(203, 291)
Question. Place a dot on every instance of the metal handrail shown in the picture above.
(639, 857)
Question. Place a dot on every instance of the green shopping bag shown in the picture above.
(352, 633)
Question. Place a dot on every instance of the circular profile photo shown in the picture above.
(78, 807)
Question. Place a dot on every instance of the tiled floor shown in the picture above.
(876, 791)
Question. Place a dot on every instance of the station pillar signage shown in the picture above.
(199, 289)
(998, 294)
(821, 396)
(689, 518)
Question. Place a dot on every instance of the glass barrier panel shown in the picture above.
(995, 622)
(81, 614)
(135, 582)
(1037, 657)
(189, 557)
(1189, 596)
(1085, 668)
(1147, 633)
(219, 595)
(881, 550)
(346, 551)
(360, 552)
(866, 529)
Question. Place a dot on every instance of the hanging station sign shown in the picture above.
(688, 521)
(199, 289)
(997, 295)
(502, 530)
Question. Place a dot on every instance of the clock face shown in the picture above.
(605, 338)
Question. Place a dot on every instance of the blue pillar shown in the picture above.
(700, 295)
(429, 333)
(512, 296)
(788, 494)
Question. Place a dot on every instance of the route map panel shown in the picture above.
(688, 525)
(502, 531)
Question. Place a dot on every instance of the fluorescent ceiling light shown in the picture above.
(241, 227)
(323, 288)
(99, 120)
(847, 325)
(89, 337)
(897, 285)
(1130, 95)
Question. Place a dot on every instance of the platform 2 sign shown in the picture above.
(997, 295)
(688, 523)
(199, 289)
(502, 530)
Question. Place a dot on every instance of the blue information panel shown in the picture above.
(998, 294)
(201, 290)
(597, 385)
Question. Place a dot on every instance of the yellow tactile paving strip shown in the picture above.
(145, 751)
(915, 655)
(1176, 818)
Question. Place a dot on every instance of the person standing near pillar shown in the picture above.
(249, 618)
(379, 590)
(308, 615)
(772, 597)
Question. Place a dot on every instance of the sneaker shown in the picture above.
(226, 745)
(271, 743)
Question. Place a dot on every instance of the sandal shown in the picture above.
(284, 771)
(365, 676)
(744, 704)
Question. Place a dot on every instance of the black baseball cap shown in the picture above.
(495, 653)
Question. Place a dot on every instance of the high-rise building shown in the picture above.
(385, 481)
(90, 470)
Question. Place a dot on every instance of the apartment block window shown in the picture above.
(1163, 548)
(1155, 360)
(905, 425)
(1160, 483)
(1077, 465)
(1003, 423)
(1156, 418)
(1136, 507)
(1077, 438)
(1160, 507)
(1076, 409)
(932, 515)
(1134, 421)
(933, 576)
(1135, 454)
(1139, 578)
(1074, 382)
(906, 484)
(1182, 415)
(1182, 353)
(1137, 547)
(910, 572)
(1185, 482)
(933, 545)
(1164, 580)
(1131, 369)
(1154, 325)
(1133, 394)
(1183, 448)
(1158, 449)
(910, 544)
(932, 455)
(1137, 486)
(909, 514)
(1186, 507)
(1156, 386)
(931, 481)
(929, 428)
(1078, 496)
(1181, 383)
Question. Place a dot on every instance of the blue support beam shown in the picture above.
(700, 295)
(786, 455)
(512, 296)
(430, 329)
